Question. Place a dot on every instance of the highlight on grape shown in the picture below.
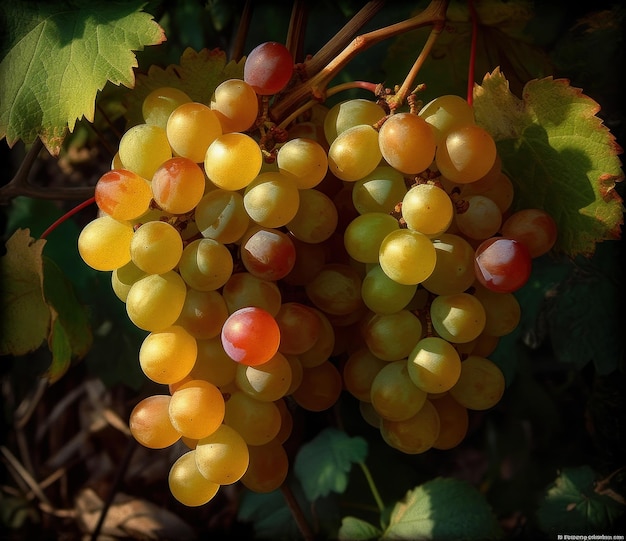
(383, 238)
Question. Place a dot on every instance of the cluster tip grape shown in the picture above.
(376, 256)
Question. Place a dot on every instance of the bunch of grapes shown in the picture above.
(364, 251)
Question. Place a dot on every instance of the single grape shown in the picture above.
(533, 227)
(213, 364)
(122, 194)
(446, 113)
(359, 372)
(271, 199)
(268, 68)
(167, 356)
(304, 160)
(480, 385)
(355, 153)
(178, 185)
(197, 409)
(407, 256)
(347, 114)
(480, 218)
(320, 387)
(454, 268)
(143, 148)
(364, 235)
(251, 336)
(203, 313)
(453, 420)
(256, 421)
(382, 295)
(104, 243)
(299, 327)
(434, 365)
(222, 457)
(316, 218)
(458, 318)
(232, 161)
(268, 468)
(414, 435)
(205, 264)
(502, 264)
(236, 105)
(158, 105)
(393, 394)
(156, 247)
(267, 253)
(191, 128)
(428, 209)
(392, 337)
(380, 191)
(187, 484)
(267, 382)
(150, 424)
(245, 289)
(336, 289)
(220, 215)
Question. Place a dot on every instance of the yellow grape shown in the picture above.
(382, 295)
(155, 301)
(359, 372)
(196, 409)
(434, 365)
(244, 289)
(268, 467)
(150, 424)
(355, 153)
(104, 243)
(191, 128)
(407, 143)
(458, 318)
(454, 422)
(123, 278)
(187, 484)
(407, 256)
(445, 113)
(392, 337)
(213, 363)
(480, 385)
(267, 382)
(223, 456)
(271, 199)
(156, 247)
(232, 161)
(503, 311)
(143, 148)
(203, 313)
(454, 267)
(365, 233)
(236, 105)
(428, 209)
(393, 394)
(380, 191)
(158, 105)
(220, 215)
(205, 264)
(304, 160)
(336, 289)
(168, 356)
(347, 114)
(257, 421)
(315, 219)
(414, 435)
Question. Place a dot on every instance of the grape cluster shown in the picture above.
(366, 251)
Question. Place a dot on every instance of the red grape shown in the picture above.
(251, 336)
(268, 68)
(502, 264)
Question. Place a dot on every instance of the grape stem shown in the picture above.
(435, 14)
(297, 513)
(372, 485)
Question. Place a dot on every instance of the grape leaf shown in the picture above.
(559, 155)
(57, 56)
(25, 314)
(443, 508)
(355, 529)
(323, 464)
(198, 74)
(576, 503)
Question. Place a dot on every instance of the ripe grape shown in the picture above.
(268, 467)
(245, 289)
(158, 105)
(178, 185)
(336, 290)
(316, 217)
(453, 420)
(122, 194)
(167, 356)
(256, 421)
(222, 457)
(347, 114)
(480, 385)
(191, 128)
(359, 372)
(380, 191)
(187, 484)
(320, 388)
(236, 105)
(197, 409)
(355, 153)
(364, 235)
(407, 256)
(304, 160)
(502, 264)
(203, 313)
(391, 337)
(454, 267)
(104, 243)
(150, 424)
(267, 253)
(533, 227)
(382, 295)
(232, 161)
(271, 199)
(205, 264)
(393, 394)
(251, 336)
(434, 365)
(428, 209)
(458, 318)
(268, 68)
(446, 113)
(267, 382)
(156, 247)
(220, 215)
(143, 148)
(414, 435)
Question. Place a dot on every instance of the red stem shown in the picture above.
(67, 215)
(472, 59)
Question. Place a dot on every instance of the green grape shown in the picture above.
(355, 153)
(446, 113)
(454, 267)
(434, 365)
(453, 420)
(268, 468)
(407, 257)
(244, 289)
(191, 128)
(380, 191)
(168, 356)
(414, 435)
(466, 154)
(503, 311)
(458, 318)
(232, 161)
(150, 424)
(156, 247)
(316, 218)
(220, 215)
(359, 372)
(178, 185)
(122, 194)
(299, 327)
(364, 235)
(266, 382)
(104, 243)
(407, 143)
(382, 295)
(213, 364)
(256, 421)
(223, 456)
(155, 301)
(271, 199)
(350, 113)
(203, 313)
(206, 264)
(304, 160)
(393, 394)
(336, 289)
(236, 105)
(187, 484)
(143, 148)
(323, 347)
(428, 209)
(320, 388)
(480, 385)
(158, 105)
(392, 337)
(197, 409)
(369, 414)
(480, 219)
(123, 278)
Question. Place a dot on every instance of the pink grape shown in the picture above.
(502, 264)
(251, 336)
(268, 68)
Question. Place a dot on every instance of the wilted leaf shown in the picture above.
(25, 314)
(323, 464)
(58, 55)
(559, 155)
(572, 504)
(198, 75)
(444, 508)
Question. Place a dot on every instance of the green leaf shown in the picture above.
(71, 335)
(354, 529)
(198, 74)
(577, 503)
(58, 55)
(25, 315)
(323, 464)
(440, 509)
(559, 155)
